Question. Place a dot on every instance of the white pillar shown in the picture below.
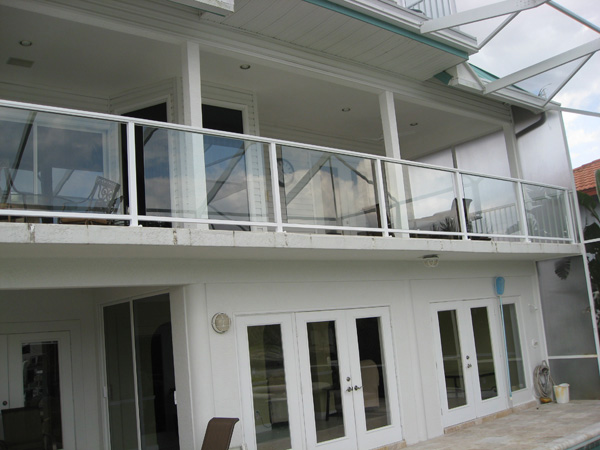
(394, 172)
(389, 124)
(512, 151)
(192, 197)
(192, 89)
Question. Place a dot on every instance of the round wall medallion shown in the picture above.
(221, 322)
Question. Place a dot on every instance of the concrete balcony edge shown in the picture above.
(29, 240)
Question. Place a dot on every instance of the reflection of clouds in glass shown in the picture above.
(424, 191)
(341, 190)
(158, 196)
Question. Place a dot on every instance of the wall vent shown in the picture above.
(20, 62)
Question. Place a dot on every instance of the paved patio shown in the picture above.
(544, 427)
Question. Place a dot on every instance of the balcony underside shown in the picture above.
(102, 242)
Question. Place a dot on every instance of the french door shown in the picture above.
(470, 364)
(36, 383)
(321, 380)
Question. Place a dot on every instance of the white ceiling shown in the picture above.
(102, 63)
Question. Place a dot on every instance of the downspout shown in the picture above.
(534, 126)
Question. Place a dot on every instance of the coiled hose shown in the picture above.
(542, 381)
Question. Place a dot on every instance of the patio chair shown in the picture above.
(218, 433)
(22, 429)
(102, 199)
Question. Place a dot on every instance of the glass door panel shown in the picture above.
(41, 387)
(484, 352)
(269, 390)
(452, 359)
(513, 347)
(325, 378)
(120, 383)
(372, 370)
(155, 373)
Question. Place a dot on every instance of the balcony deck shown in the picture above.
(190, 185)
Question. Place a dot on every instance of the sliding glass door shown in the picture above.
(140, 376)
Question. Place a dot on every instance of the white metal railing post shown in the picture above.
(275, 186)
(522, 211)
(131, 175)
(462, 214)
(570, 217)
(381, 194)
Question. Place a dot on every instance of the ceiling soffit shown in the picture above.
(342, 34)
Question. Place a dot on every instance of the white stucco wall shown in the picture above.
(207, 364)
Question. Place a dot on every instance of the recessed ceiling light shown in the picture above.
(414, 124)
(25, 43)
(245, 66)
(346, 109)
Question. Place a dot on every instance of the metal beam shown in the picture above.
(478, 14)
(544, 66)
(574, 16)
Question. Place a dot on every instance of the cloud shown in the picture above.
(535, 35)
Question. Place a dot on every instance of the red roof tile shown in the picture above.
(585, 177)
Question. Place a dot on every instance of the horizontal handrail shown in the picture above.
(281, 213)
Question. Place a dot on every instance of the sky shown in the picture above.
(535, 35)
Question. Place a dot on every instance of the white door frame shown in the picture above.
(299, 384)
(288, 342)
(475, 407)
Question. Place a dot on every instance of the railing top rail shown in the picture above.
(259, 139)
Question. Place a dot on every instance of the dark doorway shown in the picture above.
(152, 163)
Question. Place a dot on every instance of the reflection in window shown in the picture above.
(485, 355)
(452, 357)
(513, 347)
(327, 189)
(269, 393)
(226, 180)
(325, 377)
(49, 160)
(41, 388)
(372, 371)
(494, 205)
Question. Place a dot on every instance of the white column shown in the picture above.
(199, 354)
(512, 151)
(395, 176)
(192, 174)
(389, 124)
(192, 89)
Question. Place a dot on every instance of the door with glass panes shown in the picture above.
(470, 359)
(319, 380)
(36, 394)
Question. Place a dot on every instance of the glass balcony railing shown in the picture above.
(64, 166)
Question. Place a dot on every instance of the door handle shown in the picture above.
(356, 388)
(469, 366)
(349, 389)
(4, 403)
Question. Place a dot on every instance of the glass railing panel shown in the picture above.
(491, 206)
(420, 198)
(322, 188)
(55, 162)
(194, 176)
(546, 211)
